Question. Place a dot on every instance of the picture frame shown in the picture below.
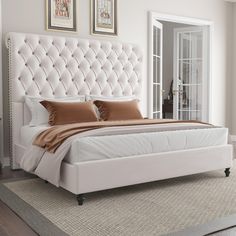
(104, 17)
(61, 15)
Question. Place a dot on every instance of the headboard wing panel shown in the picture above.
(49, 66)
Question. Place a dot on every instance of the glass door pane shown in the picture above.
(188, 82)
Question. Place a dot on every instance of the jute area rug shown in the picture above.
(191, 205)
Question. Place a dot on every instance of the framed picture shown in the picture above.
(61, 15)
(104, 17)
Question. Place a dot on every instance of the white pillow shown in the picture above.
(104, 98)
(39, 114)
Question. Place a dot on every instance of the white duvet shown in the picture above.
(117, 142)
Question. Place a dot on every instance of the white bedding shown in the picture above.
(115, 146)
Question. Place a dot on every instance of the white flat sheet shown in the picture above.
(116, 146)
(28, 133)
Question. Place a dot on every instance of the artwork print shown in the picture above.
(105, 14)
(104, 17)
(62, 9)
(61, 15)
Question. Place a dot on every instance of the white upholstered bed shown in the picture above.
(49, 66)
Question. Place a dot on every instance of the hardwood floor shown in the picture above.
(10, 223)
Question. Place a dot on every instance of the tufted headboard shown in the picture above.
(50, 66)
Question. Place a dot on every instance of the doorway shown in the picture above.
(179, 68)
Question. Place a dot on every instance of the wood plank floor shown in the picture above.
(12, 225)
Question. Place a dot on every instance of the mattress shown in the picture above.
(118, 146)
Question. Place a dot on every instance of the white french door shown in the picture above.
(190, 87)
(156, 50)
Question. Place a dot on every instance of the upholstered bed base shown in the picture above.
(85, 177)
(99, 175)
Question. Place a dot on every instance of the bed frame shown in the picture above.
(49, 66)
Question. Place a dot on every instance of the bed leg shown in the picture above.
(227, 172)
(80, 199)
(45, 181)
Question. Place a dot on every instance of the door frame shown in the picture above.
(150, 92)
(152, 16)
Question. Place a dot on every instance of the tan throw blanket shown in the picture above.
(45, 155)
(52, 138)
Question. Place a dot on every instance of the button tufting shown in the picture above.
(111, 68)
(39, 42)
(40, 93)
(26, 93)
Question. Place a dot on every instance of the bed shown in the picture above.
(50, 66)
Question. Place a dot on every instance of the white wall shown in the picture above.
(29, 16)
(233, 85)
(1, 110)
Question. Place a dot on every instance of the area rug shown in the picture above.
(191, 205)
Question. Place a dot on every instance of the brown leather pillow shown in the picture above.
(121, 110)
(61, 113)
